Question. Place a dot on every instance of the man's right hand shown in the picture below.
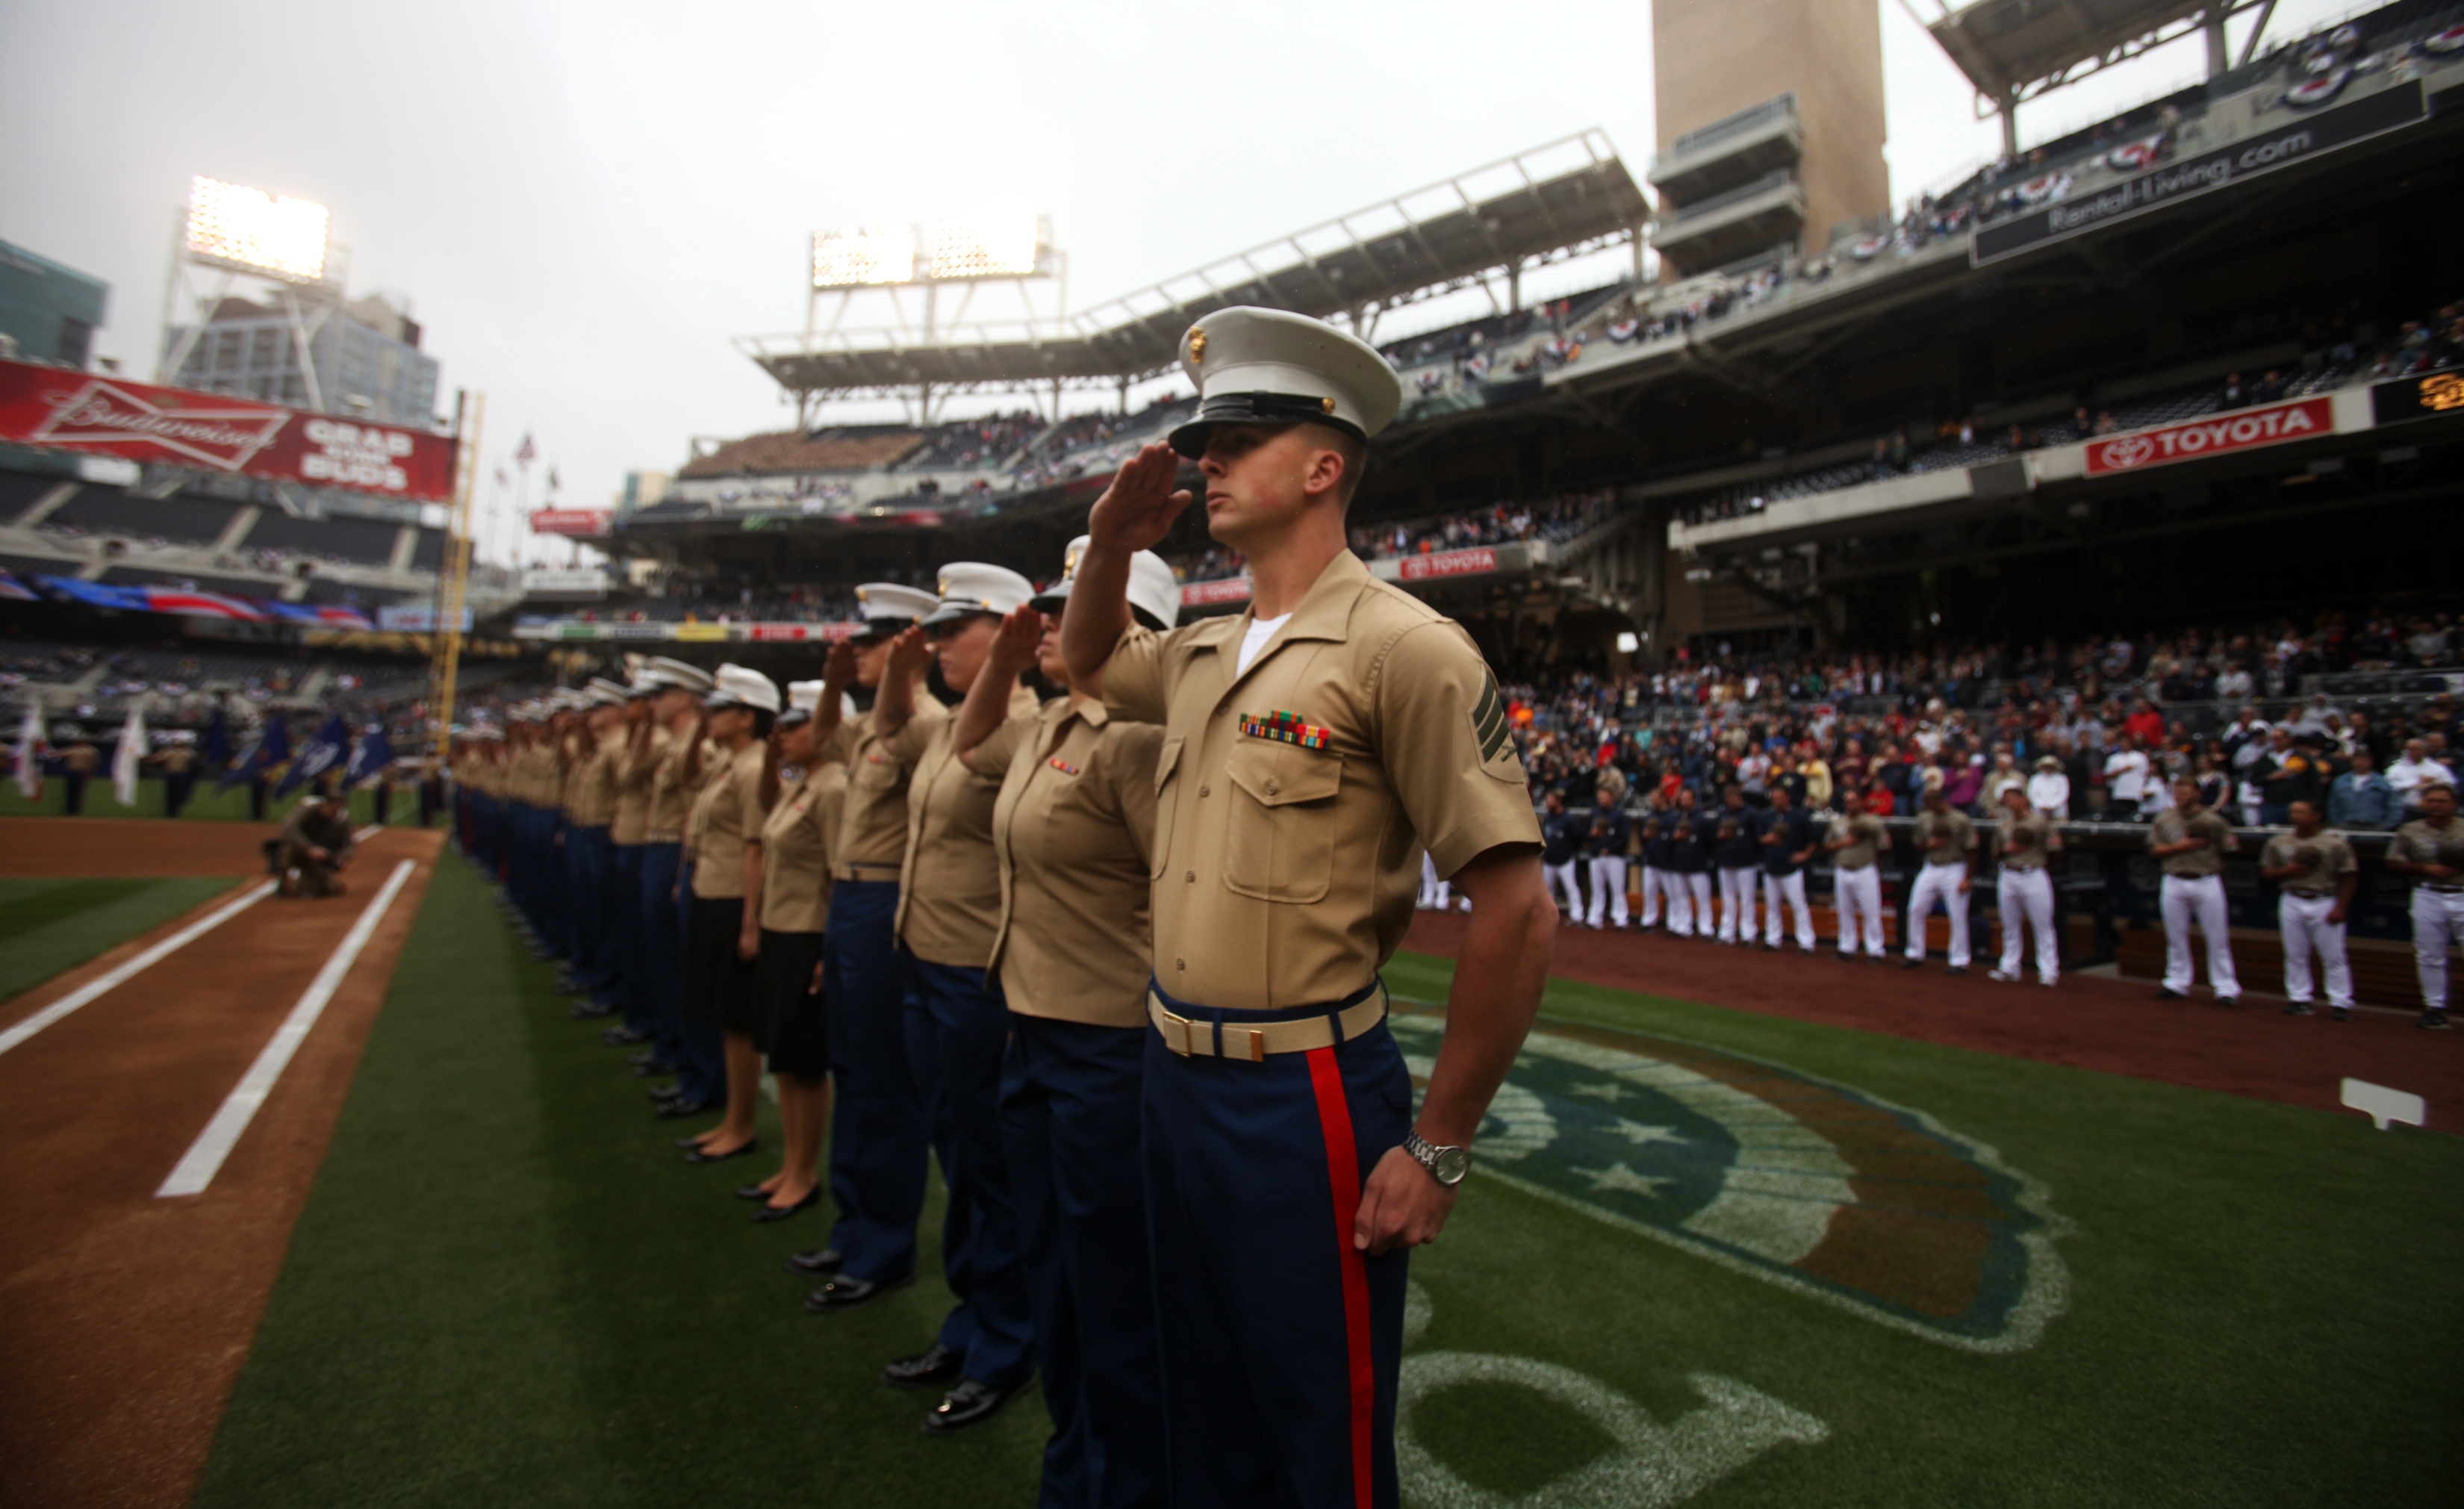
(1138, 509)
(838, 667)
(907, 653)
(1013, 649)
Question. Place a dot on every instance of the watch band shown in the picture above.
(1445, 1165)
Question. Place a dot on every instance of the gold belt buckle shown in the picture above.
(1257, 1042)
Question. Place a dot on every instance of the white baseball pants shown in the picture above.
(1858, 896)
(1434, 893)
(1608, 888)
(1939, 883)
(2303, 922)
(2201, 899)
(1790, 888)
(2027, 902)
(1737, 903)
(1563, 876)
(2437, 921)
(1698, 884)
(1680, 903)
(1650, 897)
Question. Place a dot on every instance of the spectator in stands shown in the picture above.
(2126, 777)
(2360, 799)
(2408, 775)
(2049, 789)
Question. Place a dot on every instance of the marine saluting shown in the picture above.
(1283, 878)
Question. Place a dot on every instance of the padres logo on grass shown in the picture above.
(1813, 1186)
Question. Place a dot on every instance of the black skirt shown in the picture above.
(718, 984)
(793, 1034)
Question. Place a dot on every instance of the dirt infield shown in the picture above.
(129, 1316)
(2088, 1022)
(145, 847)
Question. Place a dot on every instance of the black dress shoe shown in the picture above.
(653, 1067)
(844, 1293)
(695, 1141)
(933, 1368)
(645, 1055)
(623, 1037)
(779, 1213)
(2167, 994)
(1912, 964)
(681, 1108)
(744, 1192)
(971, 1403)
(700, 1156)
(823, 1260)
(592, 1010)
(667, 1092)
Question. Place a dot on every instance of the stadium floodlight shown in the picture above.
(864, 257)
(250, 231)
(991, 248)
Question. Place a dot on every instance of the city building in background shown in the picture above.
(363, 359)
(49, 312)
(641, 490)
(1765, 146)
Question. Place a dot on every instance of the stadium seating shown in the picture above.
(178, 520)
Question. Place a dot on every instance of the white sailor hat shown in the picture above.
(739, 686)
(969, 587)
(887, 606)
(804, 697)
(1266, 366)
(1155, 596)
(606, 693)
(659, 670)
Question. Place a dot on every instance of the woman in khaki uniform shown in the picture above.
(795, 841)
(949, 912)
(724, 840)
(1074, 828)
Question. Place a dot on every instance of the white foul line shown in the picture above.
(205, 1156)
(125, 972)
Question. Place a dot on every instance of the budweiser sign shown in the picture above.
(2241, 430)
(67, 410)
(1446, 563)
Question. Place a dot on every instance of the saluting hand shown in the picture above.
(1013, 649)
(1137, 510)
(907, 652)
(1400, 1207)
(838, 666)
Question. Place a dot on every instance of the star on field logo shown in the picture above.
(1813, 1186)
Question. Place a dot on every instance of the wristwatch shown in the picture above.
(1445, 1165)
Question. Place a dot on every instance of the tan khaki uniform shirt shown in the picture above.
(2417, 842)
(949, 894)
(1872, 836)
(633, 771)
(2021, 841)
(1946, 839)
(1293, 802)
(2329, 857)
(796, 839)
(873, 830)
(592, 793)
(671, 803)
(727, 815)
(1072, 829)
(2211, 829)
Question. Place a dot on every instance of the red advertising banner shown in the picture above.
(1446, 563)
(82, 411)
(1204, 594)
(582, 522)
(2299, 419)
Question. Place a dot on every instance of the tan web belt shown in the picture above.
(664, 836)
(1299, 1035)
(864, 872)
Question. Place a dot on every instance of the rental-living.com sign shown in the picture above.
(2299, 138)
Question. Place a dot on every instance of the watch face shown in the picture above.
(1452, 1163)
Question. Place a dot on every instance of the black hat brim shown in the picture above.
(1255, 409)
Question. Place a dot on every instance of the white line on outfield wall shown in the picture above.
(128, 971)
(205, 1156)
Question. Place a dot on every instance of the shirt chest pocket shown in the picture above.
(1284, 815)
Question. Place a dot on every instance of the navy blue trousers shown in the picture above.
(1281, 1343)
(957, 1028)
(877, 1132)
(625, 933)
(1070, 1130)
(587, 855)
(662, 946)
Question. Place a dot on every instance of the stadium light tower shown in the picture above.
(232, 232)
(899, 261)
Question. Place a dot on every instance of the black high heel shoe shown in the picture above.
(705, 1155)
(779, 1213)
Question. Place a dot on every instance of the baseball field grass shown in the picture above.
(1709, 1257)
(48, 925)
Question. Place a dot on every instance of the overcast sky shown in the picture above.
(584, 201)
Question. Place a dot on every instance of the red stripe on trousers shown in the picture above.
(1343, 1177)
